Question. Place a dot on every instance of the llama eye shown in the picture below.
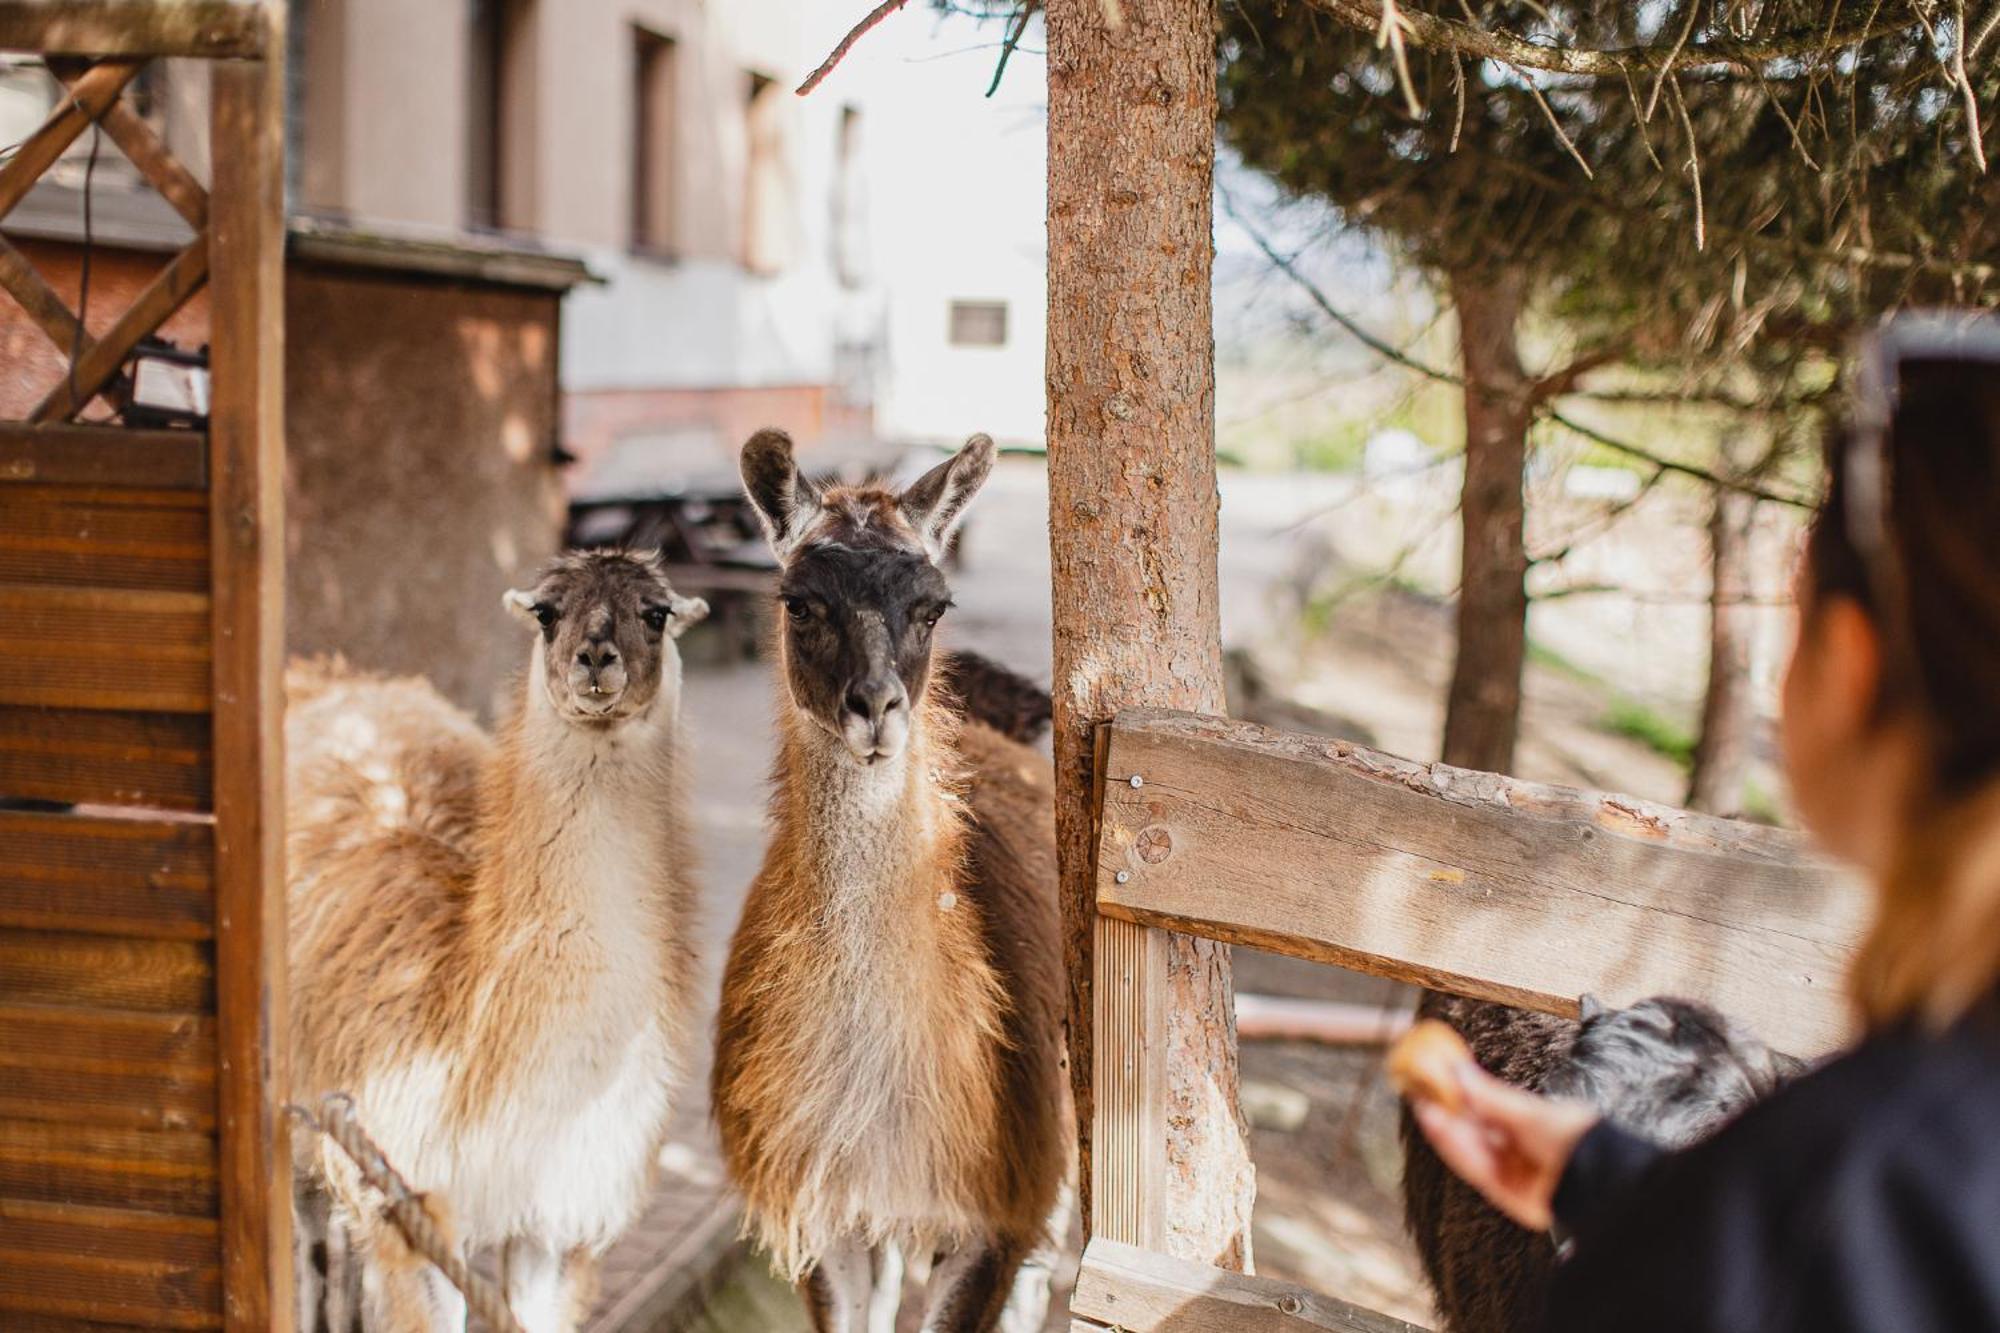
(545, 615)
(655, 618)
(796, 608)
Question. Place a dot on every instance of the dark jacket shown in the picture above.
(1864, 1196)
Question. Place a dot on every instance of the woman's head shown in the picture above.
(1892, 705)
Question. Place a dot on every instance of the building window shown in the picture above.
(654, 160)
(850, 203)
(768, 215)
(978, 324)
(500, 91)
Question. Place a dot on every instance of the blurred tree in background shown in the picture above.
(1707, 198)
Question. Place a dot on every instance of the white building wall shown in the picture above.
(953, 184)
(961, 218)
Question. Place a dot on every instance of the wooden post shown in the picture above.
(246, 458)
(1132, 510)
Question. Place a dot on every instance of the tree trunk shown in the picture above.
(1728, 714)
(1132, 509)
(1483, 710)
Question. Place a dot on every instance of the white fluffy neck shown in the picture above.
(866, 829)
(585, 813)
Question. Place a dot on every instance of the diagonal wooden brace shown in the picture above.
(39, 299)
(87, 100)
(140, 143)
(153, 307)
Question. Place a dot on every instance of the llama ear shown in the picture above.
(520, 603)
(1588, 1007)
(781, 497)
(683, 613)
(936, 501)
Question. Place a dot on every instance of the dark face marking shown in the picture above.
(856, 630)
(860, 590)
(607, 620)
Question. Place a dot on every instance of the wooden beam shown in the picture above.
(160, 760)
(1139, 1291)
(1132, 538)
(109, 456)
(1471, 882)
(97, 875)
(153, 306)
(132, 649)
(247, 464)
(87, 99)
(212, 28)
(145, 149)
(27, 286)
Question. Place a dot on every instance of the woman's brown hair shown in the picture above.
(1934, 594)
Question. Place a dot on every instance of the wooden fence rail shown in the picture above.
(1469, 882)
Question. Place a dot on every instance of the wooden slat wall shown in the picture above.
(144, 1168)
(110, 1184)
(1472, 882)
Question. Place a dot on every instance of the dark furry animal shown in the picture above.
(1671, 1070)
(985, 691)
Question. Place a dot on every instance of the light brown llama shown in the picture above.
(889, 1068)
(490, 942)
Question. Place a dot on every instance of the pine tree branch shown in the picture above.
(1441, 34)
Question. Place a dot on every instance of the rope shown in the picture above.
(405, 1208)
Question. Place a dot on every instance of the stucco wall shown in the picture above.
(419, 481)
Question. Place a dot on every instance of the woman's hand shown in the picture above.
(1509, 1145)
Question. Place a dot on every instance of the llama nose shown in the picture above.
(597, 655)
(875, 698)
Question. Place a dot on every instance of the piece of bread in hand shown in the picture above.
(1421, 1064)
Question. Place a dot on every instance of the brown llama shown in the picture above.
(490, 945)
(889, 1073)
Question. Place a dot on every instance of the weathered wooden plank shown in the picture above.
(95, 537)
(105, 648)
(247, 465)
(107, 1067)
(170, 1097)
(1139, 1291)
(1128, 1134)
(153, 306)
(107, 758)
(160, 1295)
(101, 971)
(33, 1035)
(107, 1233)
(105, 1250)
(92, 93)
(23, 1322)
(144, 877)
(1470, 882)
(102, 456)
(134, 27)
(162, 1171)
